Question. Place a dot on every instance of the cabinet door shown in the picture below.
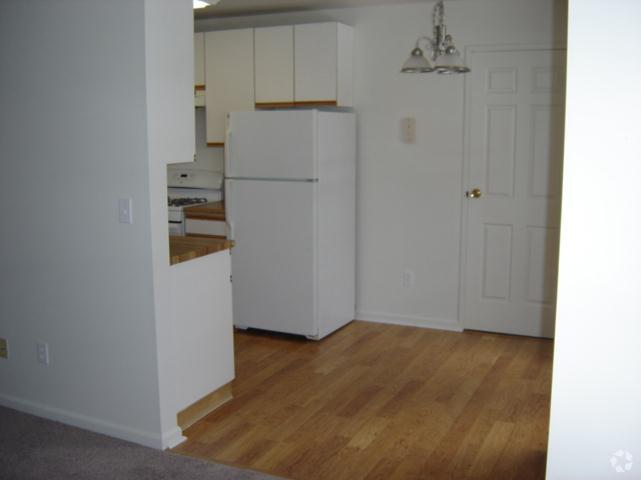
(315, 62)
(345, 51)
(199, 59)
(229, 76)
(274, 61)
(169, 97)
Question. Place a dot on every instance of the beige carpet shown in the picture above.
(33, 448)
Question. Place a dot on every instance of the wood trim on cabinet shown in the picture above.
(204, 235)
(200, 88)
(274, 105)
(204, 406)
(215, 144)
(306, 103)
(319, 103)
(211, 216)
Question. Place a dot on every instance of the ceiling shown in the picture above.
(226, 8)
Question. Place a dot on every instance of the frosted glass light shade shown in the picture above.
(417, 63)
(450, 62)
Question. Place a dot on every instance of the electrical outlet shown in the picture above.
(4, 348)
(125, 212)
(407, 278)
(42, 349)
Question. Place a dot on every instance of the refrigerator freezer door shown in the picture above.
(274, 257)
(272, 144)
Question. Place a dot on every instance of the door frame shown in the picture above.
(465, 177)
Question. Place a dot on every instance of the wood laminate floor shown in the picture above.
(376, 401)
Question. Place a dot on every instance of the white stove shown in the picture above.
(186, 188)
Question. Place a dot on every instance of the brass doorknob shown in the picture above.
(475, 193)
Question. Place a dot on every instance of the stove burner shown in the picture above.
(181, 202)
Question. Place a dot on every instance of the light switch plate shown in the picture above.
(125, 214)
(42, 349)
(408, 130)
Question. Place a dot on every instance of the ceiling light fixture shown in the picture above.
(202, 4)
(443, 53)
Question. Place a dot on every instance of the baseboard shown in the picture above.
(409, 320)
(141, 437)
(203, 407)
(172, 438)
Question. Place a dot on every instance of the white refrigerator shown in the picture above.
(290, 199)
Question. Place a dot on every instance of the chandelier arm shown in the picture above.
(428, 40)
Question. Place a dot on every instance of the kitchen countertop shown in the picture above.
(182, 249)
(206, 211)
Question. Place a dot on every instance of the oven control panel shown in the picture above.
(195, 179)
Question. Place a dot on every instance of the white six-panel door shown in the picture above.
(514, 138)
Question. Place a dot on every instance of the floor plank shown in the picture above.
(383, 401)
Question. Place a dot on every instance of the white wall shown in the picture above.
(596, 390)
(409, 196)
(96, 99)
(73, 140)
(169, 69)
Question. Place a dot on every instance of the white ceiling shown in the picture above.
(227, 8)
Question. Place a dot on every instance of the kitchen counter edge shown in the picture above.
(184, 248)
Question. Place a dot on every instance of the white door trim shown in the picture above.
(465, 177)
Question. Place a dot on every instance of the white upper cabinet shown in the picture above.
(199, 69)
(323, 64)
(274, 61)
(281, 66)
(229, 76)
(199, 59)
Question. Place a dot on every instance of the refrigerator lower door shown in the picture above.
(274, 256)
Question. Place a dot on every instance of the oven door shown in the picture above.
(176, 221)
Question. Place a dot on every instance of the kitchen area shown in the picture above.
(262, 70)
(196, 209)
(262, 223)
